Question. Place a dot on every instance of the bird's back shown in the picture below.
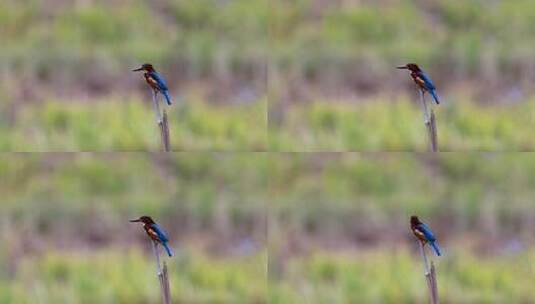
(159, 80)
(426, 232)
(162, 236)
(427, 81)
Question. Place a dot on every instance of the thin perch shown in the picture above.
(430, 124)
(432, 133)
(164, 282)
(162, 122)
(430, 276)
(433, 281)
(162, 276)
(424, 107)
(156, 107)
(164, 132)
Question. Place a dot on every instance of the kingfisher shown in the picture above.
(424, 233)
(421, 79)
(155, 81)
(155, 232)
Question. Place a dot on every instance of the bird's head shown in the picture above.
(413, 67)
(415, 220)
(145, 67)
(144, 219)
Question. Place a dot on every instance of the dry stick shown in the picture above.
(430, 124)
(164, 280)
(156, 107)
(162, 122)
(430, 276)
(434, 288)
(164, 131)
(162, 276)
(432, 131)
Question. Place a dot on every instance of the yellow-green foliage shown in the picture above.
(47, 195)
(69, 42)
(130, 277)
(112, 125)
(326, 40)
(341, 227)
(381, 125)
(397, 277)
(66, 237)
(346, 192)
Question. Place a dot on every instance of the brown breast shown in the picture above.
(419, 81)
(151, 81)
(152, 234)
(419, 235)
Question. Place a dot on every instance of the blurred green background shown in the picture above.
(66, 237)
(339, 227)
(66, 82)
(334, 87)
(322, 70)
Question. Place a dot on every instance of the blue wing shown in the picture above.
(162, 85)
(427, 81)
(159, 231)
(427, 232)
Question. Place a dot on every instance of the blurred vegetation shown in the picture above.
(306, 51)
(61, 58)
(328, 47)
(339, 230)
(92, 45)
(397, 277)
(130, 277)
(66, 236)
(380, 125)
(108, 124)
(334, 86)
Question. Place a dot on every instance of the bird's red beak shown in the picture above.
(136, 220)
(402, 67)
(140, 69)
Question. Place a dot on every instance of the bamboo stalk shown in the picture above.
(162, 122)
(430, 276)
(164, 281)
(424, 258)
(162, 276)
(434, 288)
(156, 107)
(430, 124)
(432, 133)
(164, 131)
(424, 107)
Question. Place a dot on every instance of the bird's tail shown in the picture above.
(435, 96)
(435, 247)
(166, 246)
(167, 97)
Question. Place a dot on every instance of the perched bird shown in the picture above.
(421, 79)
(424, 234)
(155, 232)
(155, 80)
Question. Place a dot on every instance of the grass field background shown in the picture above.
(116, 124)
(256, 75)
(66, 82)
(325, 70)
(339, 227)
(334, 85)
(67, 239)
(382, 125)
